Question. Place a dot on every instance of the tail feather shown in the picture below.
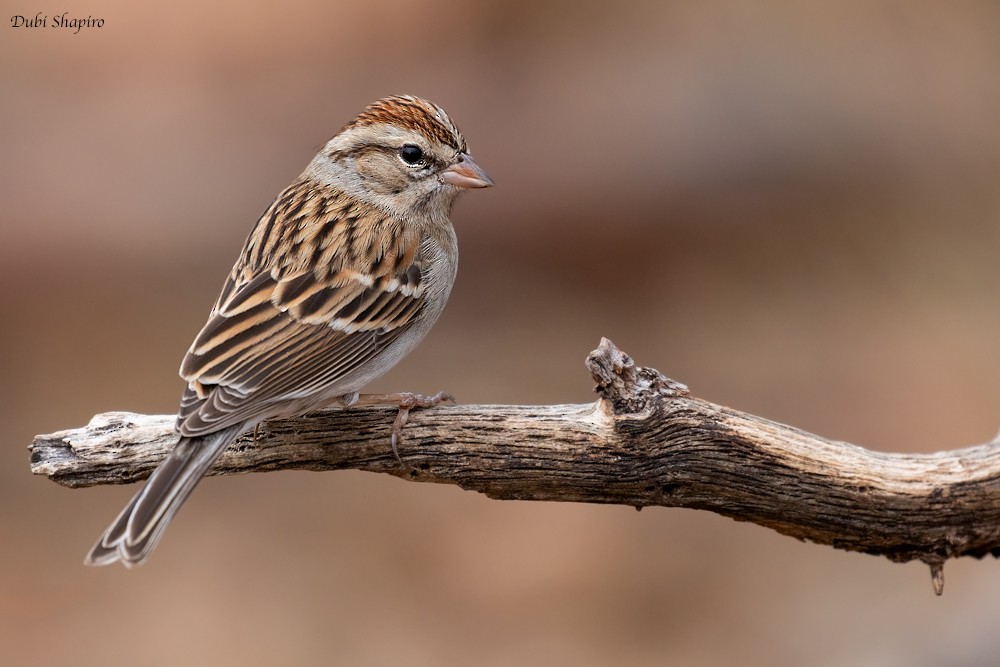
(138, 529)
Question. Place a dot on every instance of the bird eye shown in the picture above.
(411, 154)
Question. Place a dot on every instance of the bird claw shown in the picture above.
(410, 400)
(407, 401)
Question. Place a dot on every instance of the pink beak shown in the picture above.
(466, 174)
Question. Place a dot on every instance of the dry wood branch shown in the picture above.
(645, 442)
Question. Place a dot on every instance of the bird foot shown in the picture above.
(405, 401)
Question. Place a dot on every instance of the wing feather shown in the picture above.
(272, 340)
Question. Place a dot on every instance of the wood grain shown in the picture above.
(646, 441)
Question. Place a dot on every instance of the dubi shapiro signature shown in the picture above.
(41, 20)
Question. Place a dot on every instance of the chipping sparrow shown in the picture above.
(341, 277)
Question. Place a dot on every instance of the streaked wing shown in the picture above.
(275, 340)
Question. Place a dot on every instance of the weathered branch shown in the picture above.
(645, 442)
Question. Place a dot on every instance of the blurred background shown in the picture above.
(794, 208)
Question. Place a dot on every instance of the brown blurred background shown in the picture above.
(793, 208)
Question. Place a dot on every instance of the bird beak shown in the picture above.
(466, 174)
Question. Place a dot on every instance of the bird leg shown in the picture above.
(405, 401)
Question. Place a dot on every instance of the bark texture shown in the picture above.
(645, 441)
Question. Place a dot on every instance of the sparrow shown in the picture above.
(344, 274)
